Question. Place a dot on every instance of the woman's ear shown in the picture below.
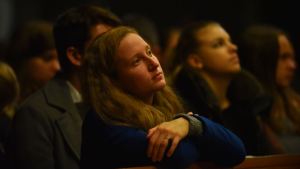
(74, 56)
(195, 61)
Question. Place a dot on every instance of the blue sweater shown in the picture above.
(110, 146)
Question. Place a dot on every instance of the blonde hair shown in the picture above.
(9, 89)
(114, 105)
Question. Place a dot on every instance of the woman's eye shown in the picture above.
(149, 52)
(218, 43)
(136, 61)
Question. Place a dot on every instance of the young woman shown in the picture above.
(135, 118)
(208, 76)
(267, 52)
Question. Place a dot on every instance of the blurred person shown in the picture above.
(208, 76)
(33, 56)
(169, 44)
(9, 89)
(136, 119)
(267, 52)
(46, 131)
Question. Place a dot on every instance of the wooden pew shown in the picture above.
(202, 165)
(284, 161)
(145, 167)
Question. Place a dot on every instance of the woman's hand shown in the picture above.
(166, 133)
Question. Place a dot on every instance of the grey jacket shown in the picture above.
(46, 130)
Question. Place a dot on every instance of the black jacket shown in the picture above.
(248, 103)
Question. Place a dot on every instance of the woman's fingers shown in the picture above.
(151, 131)
(157, 146)
(174, 144)
(162, 148)
(152, 141)
(158, 143)
(154, 155)
(160, 135)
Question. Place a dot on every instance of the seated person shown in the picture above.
(136, 119)
(9, 89)
(208, 76)
(33, 56)
(267, 52)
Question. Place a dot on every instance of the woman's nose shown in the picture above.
(152, 63)
(233, 46)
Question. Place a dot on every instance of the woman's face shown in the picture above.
(286, 64)
(139, 71)
(217, 53)
(42, 68)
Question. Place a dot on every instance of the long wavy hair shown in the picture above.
(114, 105)
(259, 53)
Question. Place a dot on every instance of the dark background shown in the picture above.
(234, 15)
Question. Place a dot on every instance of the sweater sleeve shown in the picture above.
(218, 144)
(112, 146)
(195, 125)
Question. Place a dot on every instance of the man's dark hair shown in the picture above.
(72, 29)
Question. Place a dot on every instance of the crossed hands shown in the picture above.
(160, 136)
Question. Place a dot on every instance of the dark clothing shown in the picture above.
(5, 126)
(247, 104)
(112, 146)
(46, 130)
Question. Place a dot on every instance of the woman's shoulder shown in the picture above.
(245, 86)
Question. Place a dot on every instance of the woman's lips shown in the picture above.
(158, 76)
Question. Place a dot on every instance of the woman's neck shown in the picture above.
(148, 100)
(219, 86)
